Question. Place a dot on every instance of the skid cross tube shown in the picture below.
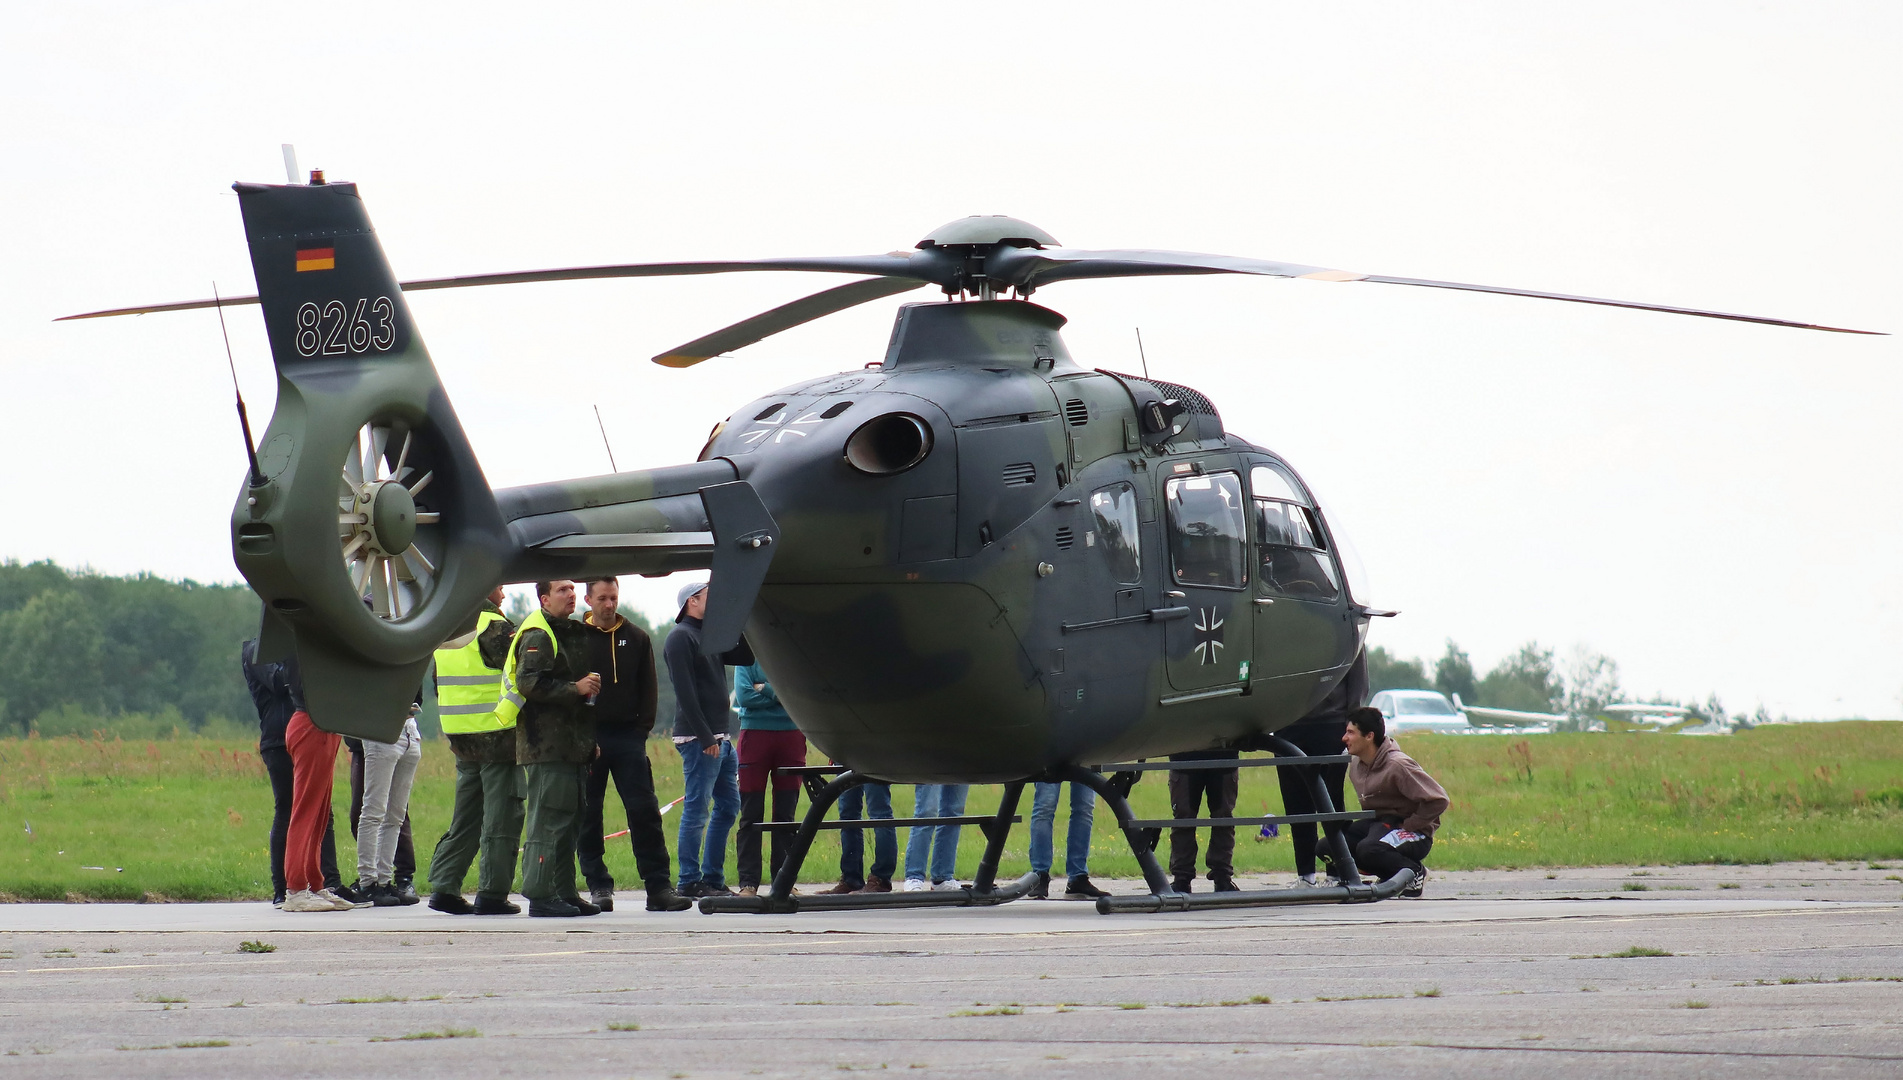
(781, 900)
(982, 821)
(1224, 763)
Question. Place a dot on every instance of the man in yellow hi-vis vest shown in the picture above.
(488, 812)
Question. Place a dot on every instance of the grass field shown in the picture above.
(188, 818)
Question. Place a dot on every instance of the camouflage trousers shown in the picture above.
(554, 821)
(487, 815)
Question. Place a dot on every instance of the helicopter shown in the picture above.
(974, 560)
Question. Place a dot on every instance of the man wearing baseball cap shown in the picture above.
(710, 769)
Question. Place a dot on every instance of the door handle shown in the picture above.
(1174, 594)
(1263, 600)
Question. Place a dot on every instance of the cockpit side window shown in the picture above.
(1290, 545)
(1208, 530)
(1115, 508)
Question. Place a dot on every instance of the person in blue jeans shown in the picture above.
(875, 801)
(934, 847)
(710, 770)
(710, 803)
(1083, 805)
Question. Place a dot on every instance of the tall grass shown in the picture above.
(188, 818)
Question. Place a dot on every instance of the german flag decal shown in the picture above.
(316, 255)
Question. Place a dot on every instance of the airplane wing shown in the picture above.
(1484, 717)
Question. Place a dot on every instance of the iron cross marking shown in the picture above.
(1208, 634)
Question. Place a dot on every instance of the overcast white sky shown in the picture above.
(1715, 505)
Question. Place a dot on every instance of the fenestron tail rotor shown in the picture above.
(387, 536)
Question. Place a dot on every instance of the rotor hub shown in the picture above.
(988, 230)
(389, 517)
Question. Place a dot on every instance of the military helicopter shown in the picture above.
(974, 561)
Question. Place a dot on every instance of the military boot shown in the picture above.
(662, 897)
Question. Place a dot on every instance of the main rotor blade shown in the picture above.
(785, 317)
(921, 265)
(1036, 267)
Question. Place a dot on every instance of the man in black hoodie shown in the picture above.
(710, 771)
(623, 655)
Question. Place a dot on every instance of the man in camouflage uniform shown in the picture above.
(488, 809)
(554, 743)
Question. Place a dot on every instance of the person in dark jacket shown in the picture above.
(710, 770)
(1188, 789)
(768, 743)
(554, 743)
(623, 655)
(1320, 733)
(271, 694)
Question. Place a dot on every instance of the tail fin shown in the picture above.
(373, 533)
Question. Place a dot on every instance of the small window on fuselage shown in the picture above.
(1115, 508)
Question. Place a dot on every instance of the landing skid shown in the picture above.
(1114, 790)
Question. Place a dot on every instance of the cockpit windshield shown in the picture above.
(1423, 706)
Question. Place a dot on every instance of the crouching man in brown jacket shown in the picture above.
(1407, 803)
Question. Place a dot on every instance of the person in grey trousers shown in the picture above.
(389, 769)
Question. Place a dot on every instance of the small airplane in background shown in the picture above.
(1433, 711)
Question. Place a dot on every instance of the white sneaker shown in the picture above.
(913, 884)
(1311, 881)
(306, 900)
(948, 885)
(337, 903)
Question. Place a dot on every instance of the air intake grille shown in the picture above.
(1020, 474)
(1196, 402)
(1065, 538)
(1076, 412)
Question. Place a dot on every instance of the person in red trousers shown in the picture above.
(313, 762)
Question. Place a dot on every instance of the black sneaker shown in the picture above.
(1041, 890)
(356, 892)
(553, 909)
(1225, 883)
(1416, 887)
(490, 906)
(1182, 885)
(662, 897)
(1080, 888)
(405, 891)
(450, 904)
(603, 898)
(715, 890)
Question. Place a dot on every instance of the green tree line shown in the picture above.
(113, 646)
(1529, 679)
(142, 655)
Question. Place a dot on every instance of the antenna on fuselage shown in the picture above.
(1140, 353)
(604, 439)
(290, 163)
